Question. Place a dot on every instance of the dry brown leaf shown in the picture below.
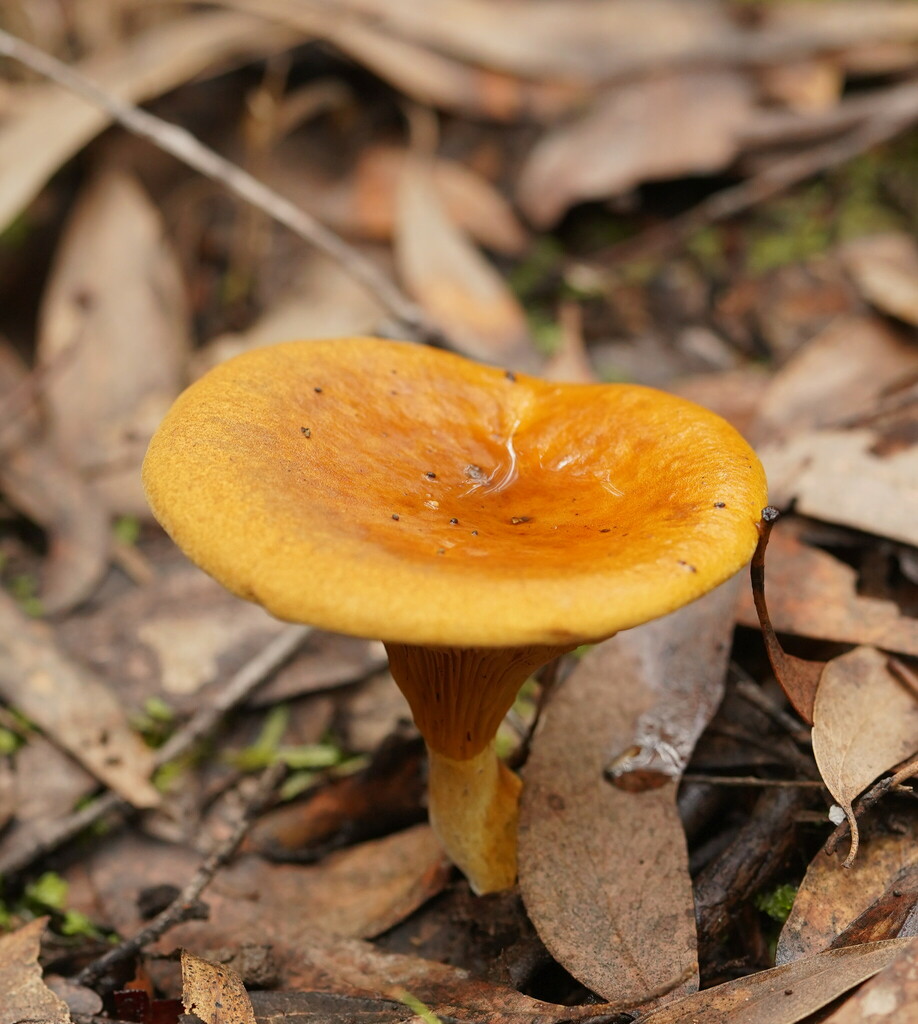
(864, 722)
(34, 480)
(214, 992)
(359, 968)
(452, 281)
(885, 270)
(71, 706)
(783, 995)
(47, 785)
(114, 325)
(865, 477)
(811, 593)
(364, 202)
(839, 24)
(654, 128)
(427, 76)
(357, 892)
(604, 872)
(24, 993)
(838, 375)
(571, 362)
(683, 663)
(324, 301)
(50, 125)
(831, 896)
(890, 997)
(568, 39)
(806, 86)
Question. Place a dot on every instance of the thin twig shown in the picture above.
(189, 150)
(178, 909)
(889, 120)
(753, 781)
(201, 724)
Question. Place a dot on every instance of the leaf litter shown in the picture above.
(594, 118)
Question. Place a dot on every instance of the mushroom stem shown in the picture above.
(474, 806)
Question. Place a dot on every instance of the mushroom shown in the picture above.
(479, 522)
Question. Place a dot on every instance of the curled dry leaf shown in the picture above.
(214, 992)
(783, 995)
(885, 270)
(617, 143)
(890, 997)
(455, 284)
(864, 722)
(604, 872)
(49, 125)
(115, 323)
(25, 995)
(811, 593)
(831, 897)
(71, 707)
(34, 480)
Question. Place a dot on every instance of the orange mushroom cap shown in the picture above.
(391, 490)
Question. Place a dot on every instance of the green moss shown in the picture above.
(126, 530)
(777, 902)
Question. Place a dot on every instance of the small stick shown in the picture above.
(753, 781)
(250, 676)
(190, 151)
(181, 907)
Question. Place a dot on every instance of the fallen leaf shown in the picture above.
(838, 375)
(783, 995)
(569, 39)
(426, 75)
(364, 202)
(864, 722)
(71, 706)
(815, 469)
(600, 904)
(177, 639)
(46, 786)
(662, 127)
(453, 282)
(214, 992)
(358, 892)
(806, 86)
(814, 594)
(571, 361)
(36, 482)
(48, 125)
(885, 270)
(683, 660)
(831, 896)
(324, 301)
(889, 996)
(114, 324)
(25, 995)
(343, 966)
